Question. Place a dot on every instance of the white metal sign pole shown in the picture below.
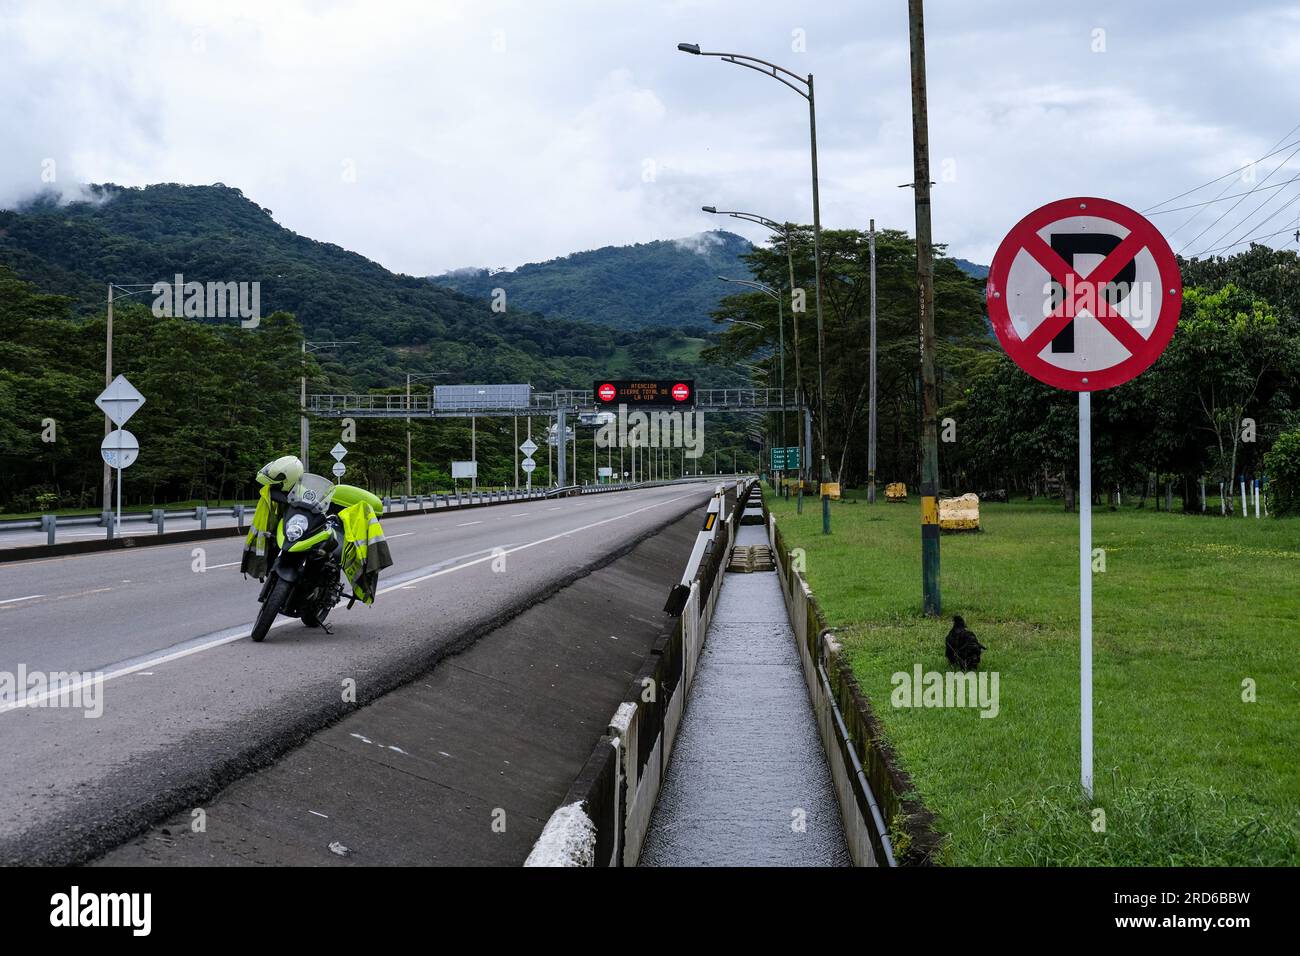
(117, 528)
(1085, 590)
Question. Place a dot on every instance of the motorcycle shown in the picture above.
(305, 580)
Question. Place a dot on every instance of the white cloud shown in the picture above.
(431, 135)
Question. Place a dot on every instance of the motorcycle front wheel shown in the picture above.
(270, 608)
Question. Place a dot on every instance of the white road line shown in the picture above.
(30, 597)
(531, 544)
(466, 524)
(213, 567)
(402, 535)
(36, 699)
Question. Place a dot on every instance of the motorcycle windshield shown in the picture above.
(312, 491)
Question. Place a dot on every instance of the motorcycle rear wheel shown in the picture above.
(270, 608)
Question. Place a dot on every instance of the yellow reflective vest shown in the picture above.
(365, 552)
(259, 547)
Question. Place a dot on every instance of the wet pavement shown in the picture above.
(748, 783)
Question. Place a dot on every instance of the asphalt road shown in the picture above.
(26, 537)
(189, 704)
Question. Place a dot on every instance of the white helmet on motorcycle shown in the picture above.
(284, 472)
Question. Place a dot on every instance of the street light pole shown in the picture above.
(790, 79)
(782, 229)
(780, 325)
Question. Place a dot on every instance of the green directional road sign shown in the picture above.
(785, 459)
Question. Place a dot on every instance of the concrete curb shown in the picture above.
(885, 823)
(604, 818)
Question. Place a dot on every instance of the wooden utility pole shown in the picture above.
(871, 426)
(925, 303)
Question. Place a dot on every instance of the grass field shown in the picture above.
(1187, 609)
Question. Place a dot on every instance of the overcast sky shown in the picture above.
(437, 134)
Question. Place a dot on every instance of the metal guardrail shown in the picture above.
(109, 521)
(392, 504)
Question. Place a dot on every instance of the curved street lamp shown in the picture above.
(780, 324)
(784, 230)
(803, 85)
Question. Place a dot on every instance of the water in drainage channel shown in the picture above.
(748, 783)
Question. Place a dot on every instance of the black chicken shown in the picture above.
(962, 647)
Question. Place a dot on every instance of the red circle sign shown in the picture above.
(1084, 294)
(681, 392)
(606, 392)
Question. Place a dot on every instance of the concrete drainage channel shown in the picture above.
(716, 757)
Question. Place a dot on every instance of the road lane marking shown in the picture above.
(532, 544)
(466, 524)
(213, 567)
(56, 597)
(230, 635)
(157, 548)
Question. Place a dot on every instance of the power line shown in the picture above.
(1275, 212)
(1277, 148)
(1220, 198)
(1228, 185)
(1257, 210)
(1207, 252)
(1225, 212)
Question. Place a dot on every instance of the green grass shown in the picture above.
(1186, 610)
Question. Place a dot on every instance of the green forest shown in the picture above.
(222, 400)
(672, 283)
(1223, 401)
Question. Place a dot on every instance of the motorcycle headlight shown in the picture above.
(295, 527)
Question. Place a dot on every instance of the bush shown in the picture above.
(1282, 466)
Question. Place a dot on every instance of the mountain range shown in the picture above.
(398, 322)
(670, 283)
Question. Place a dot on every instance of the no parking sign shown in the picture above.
(1084, 294)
